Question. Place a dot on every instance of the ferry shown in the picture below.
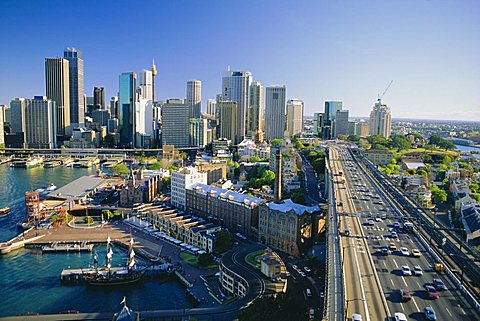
(4, 211)
(27, 162)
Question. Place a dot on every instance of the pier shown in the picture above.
(67, 247)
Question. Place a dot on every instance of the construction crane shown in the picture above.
(384, 92)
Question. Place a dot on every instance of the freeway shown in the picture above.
(378, 218)
(363, 294)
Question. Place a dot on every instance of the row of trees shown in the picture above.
(259, 176)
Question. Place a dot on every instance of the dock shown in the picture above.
(18, 242)
(67, 247)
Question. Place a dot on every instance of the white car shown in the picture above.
(356, 317)
(394, 235)
(405, 251)
(399, 316)
(406, 270)
(417, 270)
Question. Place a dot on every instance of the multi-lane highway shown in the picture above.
(378, 233)
(363, 294)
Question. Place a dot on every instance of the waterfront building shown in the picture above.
(17, 118)
(40, 129)
(194, 98)
(380, 120)
(255, 111)
(81, 189)
(175, 123)
(83, 138)
(77, 104)
(229, 113)
(294, 117)
(275, 112)
(2, 120)
(181, 180)
(140, 187)
(236, 88)
(145, 84)
(340, 123)
(126, 108)
(286, 225)
(57, 83)
(198, 132)
(235, 211)
(99, 97)
(331, 108)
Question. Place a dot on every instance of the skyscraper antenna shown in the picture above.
(228, 68)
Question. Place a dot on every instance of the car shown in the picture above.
(430, 313)
(405, 295)
(356, 317)
(416, 253)
(417, 270)
(385, 251)
(371, 222)
(399, 316)
(392, 246)
(396, 225)
(404, 251)
(377, 219)
(406, 270)
(439, 285)
(432, 292)
(307, 269)
(394, 235)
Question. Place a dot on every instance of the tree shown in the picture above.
(439, 196)
(223, 241)
(343, 137)
(474, 187)
(205, 259)
(268, 177)
(120, 169)
(400, 143)
(155, 166)
(298, 196)
(255, 159)
(353, 138)
(276, 142)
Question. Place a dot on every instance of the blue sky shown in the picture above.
(322, 50)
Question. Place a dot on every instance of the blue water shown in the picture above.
(30, 280)
(467, 148)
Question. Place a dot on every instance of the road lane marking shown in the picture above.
(404, 282)
(419, 285)
(396, 265)
(392, 283)
(361, 283)
(415, 302)
(449, 312)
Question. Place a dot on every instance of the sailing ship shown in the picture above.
(109, 276)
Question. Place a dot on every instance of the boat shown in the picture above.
(52, 163)
(108, 276)
(30, 162)
(51, 187)
(4, 211)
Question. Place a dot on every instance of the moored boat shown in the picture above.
(4, 211)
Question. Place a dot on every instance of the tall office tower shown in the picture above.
(17, 118)
(317, 123)
(114, 107)
(99, 97)
(236, 87)
(145, 84)
(380, 120)
(175, 123)
(40, 129)
(294, 123)
(212, 107)
(57, 82)
(194, 98)
(341, 123)
(331, 108)
(144, 126)
(75, 65)
(126, 108)
(255, 114)
(154, 74)
(2, 120)
(275, 112)
(228, 120)
(198, 132)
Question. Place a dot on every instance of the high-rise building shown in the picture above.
(126, 108)
(236, 87)
(145, 84)
(40, 129)
(255, 110)
(114, 107)
(175, 123)
(194, 98)
(294, 122)
(380, 120)
(198, 132)
(212, 107)
(99, 97)
(317, 123)
(331, 108)
(57, 83)
(75, 66)
(183, 179)
(275, 111)
(341, 123)
(2, 120)
(229, 121)
(17, 118)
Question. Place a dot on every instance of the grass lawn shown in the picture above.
(250, 258)
(193, 260)
(431, 152)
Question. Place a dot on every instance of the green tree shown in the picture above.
(474, 187)
(155, 166)
(223, 241)
(343, 137)
(439, 196)
(205, 259)
(276, 142)
(353, 138)
(400, 143)
(120, 169)
(269, 177)
(255, 159)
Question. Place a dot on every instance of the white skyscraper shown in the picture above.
(380, 120)
(194, 98)
(236, 87)
(294, 123)
(40, 129)
(275, 111)
(212, 107)
(145, 84)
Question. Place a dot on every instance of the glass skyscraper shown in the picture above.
(75, 66)
(126, 107)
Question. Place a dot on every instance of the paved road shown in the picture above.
(373, 205)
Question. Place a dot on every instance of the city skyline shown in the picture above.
(334, 52)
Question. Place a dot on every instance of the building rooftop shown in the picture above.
(79, 188)
(288, 205)
(227, 194)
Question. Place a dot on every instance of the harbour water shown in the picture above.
(463, 148)
(30, 280)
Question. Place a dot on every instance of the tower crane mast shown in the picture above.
(384, 92)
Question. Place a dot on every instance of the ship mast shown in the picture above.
(131, 256)
(109, 253)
